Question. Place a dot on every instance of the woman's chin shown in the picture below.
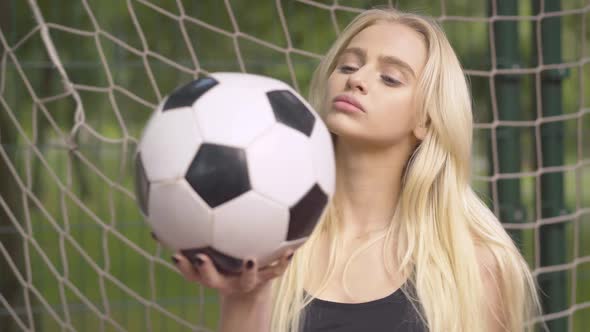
(342, 125)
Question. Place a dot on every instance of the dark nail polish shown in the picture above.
(249, 264)
(199, 261)
(289, 257)
(174, 260)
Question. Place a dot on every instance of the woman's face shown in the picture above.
(370, 92)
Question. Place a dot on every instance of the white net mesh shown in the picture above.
(78, 80)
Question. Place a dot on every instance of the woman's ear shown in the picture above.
(420, 131)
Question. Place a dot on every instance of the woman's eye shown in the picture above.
(390, 80)
(346, 69)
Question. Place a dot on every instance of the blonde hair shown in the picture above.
(439, 221)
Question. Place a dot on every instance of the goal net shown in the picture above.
(79, 78)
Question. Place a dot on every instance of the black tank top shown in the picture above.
(393, 313)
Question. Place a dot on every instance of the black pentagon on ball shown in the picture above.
(219, 173)
(304, 215)
(186, 95)
(224, 263)
(290, 111)
(142, 185)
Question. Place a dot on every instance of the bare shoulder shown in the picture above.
(491, 279)
(488, 264)
(489, 271)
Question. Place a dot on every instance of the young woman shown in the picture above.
(405, 244)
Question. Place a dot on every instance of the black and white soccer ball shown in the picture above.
(234, 166)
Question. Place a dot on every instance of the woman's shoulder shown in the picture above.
(491, 279)
(489, 267)
(486, 258)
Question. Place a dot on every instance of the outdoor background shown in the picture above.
(79, 79)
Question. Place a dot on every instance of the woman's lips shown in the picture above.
(347, 104)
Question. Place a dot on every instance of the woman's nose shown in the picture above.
(355, 82)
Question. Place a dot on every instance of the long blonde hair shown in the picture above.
(439, 221)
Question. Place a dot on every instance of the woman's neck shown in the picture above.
(368, 185)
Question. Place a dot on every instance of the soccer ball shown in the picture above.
(234, 166)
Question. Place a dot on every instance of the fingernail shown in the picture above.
(289, 257)
(199, 260)
(174, 259)
(249, 264)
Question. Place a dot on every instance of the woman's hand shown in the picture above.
(246, 298)
(249, 282)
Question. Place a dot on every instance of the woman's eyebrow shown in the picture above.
(395, 61)
(385, 59)
(359, 52)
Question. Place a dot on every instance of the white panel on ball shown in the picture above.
(169, 144)
(323, 157)
(242, 80)
(178, 216)
(233, 115)
(280, 165)
(155, 114)
(249, 226)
